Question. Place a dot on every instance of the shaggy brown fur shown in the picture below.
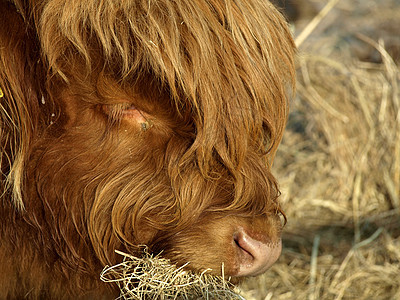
(135, 122)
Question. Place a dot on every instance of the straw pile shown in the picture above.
(154, 277)
(339, 163)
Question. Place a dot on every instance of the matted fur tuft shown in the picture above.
(136, 122)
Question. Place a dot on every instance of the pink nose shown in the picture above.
(254, 256)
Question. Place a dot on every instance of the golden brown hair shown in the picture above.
(206, 80)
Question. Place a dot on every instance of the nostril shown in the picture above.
(255, 256)
(244, 253)
(240, 241)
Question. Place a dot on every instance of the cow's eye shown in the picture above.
(127, 112)
(130, 108)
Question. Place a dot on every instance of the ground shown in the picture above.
(339, 162)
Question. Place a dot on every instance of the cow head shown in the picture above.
(128, 123)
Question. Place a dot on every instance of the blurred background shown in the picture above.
(339, 162)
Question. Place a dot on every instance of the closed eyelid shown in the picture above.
(127, 111)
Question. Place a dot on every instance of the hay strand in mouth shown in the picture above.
(155, 277)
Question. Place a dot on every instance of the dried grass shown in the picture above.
(339, 166)
(154, 277)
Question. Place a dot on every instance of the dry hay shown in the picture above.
(154, 277)
(339, 168)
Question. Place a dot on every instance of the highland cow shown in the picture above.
(140, 122)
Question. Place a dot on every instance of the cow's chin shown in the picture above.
(237, 247)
